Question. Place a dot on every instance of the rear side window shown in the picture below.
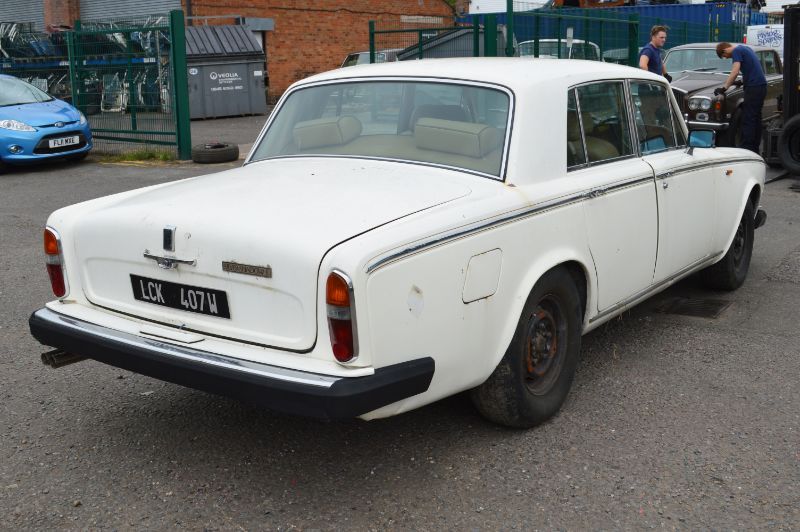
(575, 153)
(770, 63)
(653, 119)
(604, 121)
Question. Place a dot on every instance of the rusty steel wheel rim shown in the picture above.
(545, 346)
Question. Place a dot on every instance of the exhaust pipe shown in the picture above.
(58, 358)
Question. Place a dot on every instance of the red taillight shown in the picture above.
(54, 261)
(339, 304)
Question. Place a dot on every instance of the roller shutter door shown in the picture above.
(117, 9)
(25, 11)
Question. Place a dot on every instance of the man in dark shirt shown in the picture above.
(755, 90)
(650, 56)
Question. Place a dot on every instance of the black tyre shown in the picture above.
(731, 271)
(789, 145)
(732, 137)
(534, 376)
(215, 152)
(78, 157)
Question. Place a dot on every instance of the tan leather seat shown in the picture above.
(596, 148)
(574, 144)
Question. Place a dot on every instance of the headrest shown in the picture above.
(461, 138)
(444, 112)
(573, 128)
(330, 131)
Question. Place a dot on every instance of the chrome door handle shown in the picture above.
(665, 185)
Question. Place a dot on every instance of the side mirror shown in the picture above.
(701, 138)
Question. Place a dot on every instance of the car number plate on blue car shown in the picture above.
(180, 296)
(64, 141)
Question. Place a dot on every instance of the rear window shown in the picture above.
(447, 124)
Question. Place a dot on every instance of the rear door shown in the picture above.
(620, 206)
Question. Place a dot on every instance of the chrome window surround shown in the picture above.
(501, 175)
(635, 153)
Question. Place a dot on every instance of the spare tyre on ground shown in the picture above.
(215, 152)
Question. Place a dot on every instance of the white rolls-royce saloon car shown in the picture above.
(407, 231)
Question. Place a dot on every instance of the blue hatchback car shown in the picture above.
(35, 127)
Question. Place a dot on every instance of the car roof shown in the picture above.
(713, 45)
(512, 72)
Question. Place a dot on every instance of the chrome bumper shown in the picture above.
(281, 389)
(715, 126)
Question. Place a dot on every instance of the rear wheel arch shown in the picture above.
(532, 379)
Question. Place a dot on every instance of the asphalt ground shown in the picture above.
(673, 422)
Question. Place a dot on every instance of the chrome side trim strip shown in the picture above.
(477, 227)
(185, 353)
(706, 164)
(716, 126)
(643, 294)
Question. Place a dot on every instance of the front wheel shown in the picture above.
(730, 273)
(532, 380)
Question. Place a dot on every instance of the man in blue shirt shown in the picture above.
(650, 56)
(755, 90)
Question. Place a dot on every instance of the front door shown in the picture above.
(684, 182)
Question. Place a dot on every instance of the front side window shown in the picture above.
(770, 63)
(454, 125)
(604, 120)
(652, 117)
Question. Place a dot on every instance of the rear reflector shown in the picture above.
(54, 260)
(339, 306)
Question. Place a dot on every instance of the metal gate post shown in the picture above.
(371, 41)
(509, 28)
(183, 131)
(490, 35)
(633, 40)
(72, 62)
(476, 36)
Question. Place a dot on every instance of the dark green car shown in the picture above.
(696, 71)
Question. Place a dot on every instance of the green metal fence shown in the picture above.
(566, 33)
(127, 76)
(418, 41)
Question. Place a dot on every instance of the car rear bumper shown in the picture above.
(280, 389)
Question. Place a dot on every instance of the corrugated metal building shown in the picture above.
(105, 9)
(23, 11)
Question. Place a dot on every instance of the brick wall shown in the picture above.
(312, 37)
(61, 12)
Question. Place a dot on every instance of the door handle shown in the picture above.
(664, 185)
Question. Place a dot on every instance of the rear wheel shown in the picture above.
(731, 271)
(789, 145)
(536, 372)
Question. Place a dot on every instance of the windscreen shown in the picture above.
(700, 60)
(454, 125)
(15, 92)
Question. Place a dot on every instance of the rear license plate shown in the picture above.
(181, 296)
(64, 141)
